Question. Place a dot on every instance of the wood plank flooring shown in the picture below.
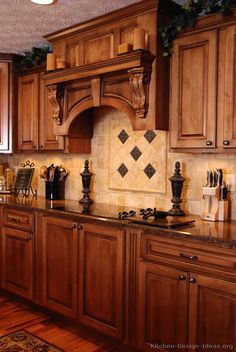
(67, 336)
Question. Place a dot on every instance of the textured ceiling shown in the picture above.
(23, 23)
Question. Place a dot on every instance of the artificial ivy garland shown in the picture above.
(190, 11)
(34, 58)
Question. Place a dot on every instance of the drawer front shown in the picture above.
(18, 219)
(151, 249)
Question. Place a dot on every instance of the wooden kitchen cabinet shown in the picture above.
(60, 265)
(101, 279)
(17, 261)
(212, 306)
(226, 88)
(194, 91)
(6, 112)
(35, 123)
(163, 306)
(186, 296)
(202, 113)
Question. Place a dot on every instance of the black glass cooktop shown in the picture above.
(124, 214)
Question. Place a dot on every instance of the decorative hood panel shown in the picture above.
(96, 73)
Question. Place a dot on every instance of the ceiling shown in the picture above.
(23, 23)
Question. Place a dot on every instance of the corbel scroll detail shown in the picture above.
(139, 79)
(56, 99)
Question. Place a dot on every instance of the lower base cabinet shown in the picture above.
(101, 279)
(17, 262)
(162, 307)
(212, 313)
(183, 311)
(59, 265)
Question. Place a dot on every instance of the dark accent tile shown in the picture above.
(136, 153)
(123, 136)
(149, 170)
(149, 135)
(122, 170)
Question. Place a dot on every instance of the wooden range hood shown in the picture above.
(96, 75)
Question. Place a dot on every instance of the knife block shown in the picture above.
(212, 208)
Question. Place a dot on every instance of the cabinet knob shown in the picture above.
(192, 280)
(80, 227)
(29, 238)
(226, 142)
(190, 257)
(34, 146)
(182, 277)
(41, 146)
(208, 143)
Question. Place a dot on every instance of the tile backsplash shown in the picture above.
(131, 168)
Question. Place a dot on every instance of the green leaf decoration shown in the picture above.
(190, 12)
(31, 59)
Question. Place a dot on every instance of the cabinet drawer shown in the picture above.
(185, 251)
(18, 219)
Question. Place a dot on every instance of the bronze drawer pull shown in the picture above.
(182, 277)
(190, 257)
(14, 219)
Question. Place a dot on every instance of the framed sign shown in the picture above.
(23, 179)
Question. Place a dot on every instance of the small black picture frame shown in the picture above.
(23, 179)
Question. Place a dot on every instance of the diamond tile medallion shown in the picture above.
(123, 136)
(149, 135)
(137, 159)
(136, 153)
(122, 169)
(149, 171)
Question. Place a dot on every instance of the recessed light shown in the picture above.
(44, 2)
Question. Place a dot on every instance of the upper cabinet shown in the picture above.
(34, 121)
(6, 104)
(203, 76)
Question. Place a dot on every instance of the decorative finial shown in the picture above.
(176, 184)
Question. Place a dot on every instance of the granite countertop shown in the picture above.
(217, 233)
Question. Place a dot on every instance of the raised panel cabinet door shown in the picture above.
(18, 262)
(162, 308)
(101, 279)
(59, 265)
(47, 139)
(28, 106)
(227, 88)
(193, 91)
(5, 108)
(212, 314)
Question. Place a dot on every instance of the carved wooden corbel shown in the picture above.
(56, 99)
(139, 80)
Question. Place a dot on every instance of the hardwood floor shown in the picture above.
(69, 337)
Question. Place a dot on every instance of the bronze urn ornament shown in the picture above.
(177, 181)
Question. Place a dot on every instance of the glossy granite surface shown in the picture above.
(217, 233)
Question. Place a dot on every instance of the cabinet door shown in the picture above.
(193, 91)
(59, 265)
(18, 262)
(227, 88)
(47, 140)
(28, 112)
(212, 315)
(101, 288)
(5, 108)
(162, 307)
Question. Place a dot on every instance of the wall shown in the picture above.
(135, 188)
